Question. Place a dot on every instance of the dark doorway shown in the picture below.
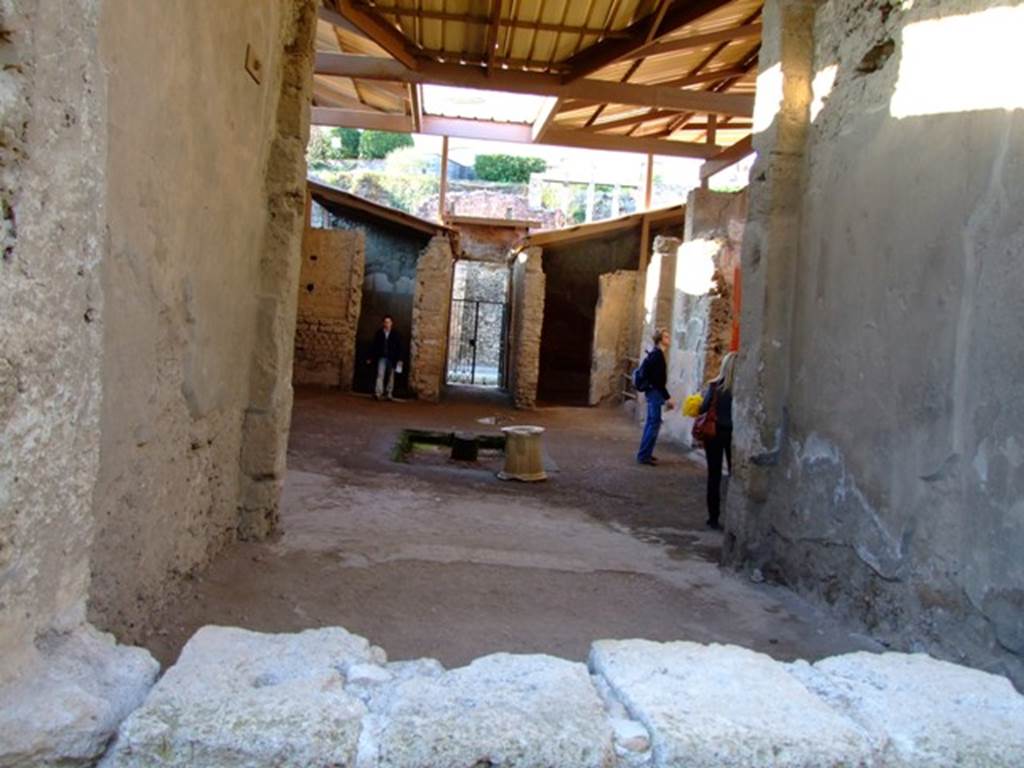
(570, 300)
(478, 330)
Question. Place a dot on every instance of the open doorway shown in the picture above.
(478, 329)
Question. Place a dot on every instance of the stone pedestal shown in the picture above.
(523, 454)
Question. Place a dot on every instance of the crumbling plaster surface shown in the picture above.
(891, 486)
(612, 332)
(528, 285)
(330, 295)
(701, 324)
(204, 216)
(53, 150)
(430, 312)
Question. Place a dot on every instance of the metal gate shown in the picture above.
(476, 343)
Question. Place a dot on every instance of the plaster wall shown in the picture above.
(613, 320)
(330, 295)
(389, 287)
(702, 321)
(204, 213)
(52, 245)
(889, 479)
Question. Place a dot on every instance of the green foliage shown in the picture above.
(350, 141)
(510, 169)
(376, 145)
(328, 146)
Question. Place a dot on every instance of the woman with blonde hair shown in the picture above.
(719, 395)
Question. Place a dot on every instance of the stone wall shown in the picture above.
(487, 243)
(330, 295)
(704, 295)
(431, 309)
(327, 697)
(204, 214)
(613, 320)
(527, 320)
(53, 143)
(880, 404)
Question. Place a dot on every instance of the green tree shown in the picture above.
(376, 145)
(329, 145)
(510, 169)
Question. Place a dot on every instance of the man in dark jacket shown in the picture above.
(387, 354)
(656, 375)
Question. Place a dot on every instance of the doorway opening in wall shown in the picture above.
(478, 328)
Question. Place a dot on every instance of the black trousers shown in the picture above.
(714, 450)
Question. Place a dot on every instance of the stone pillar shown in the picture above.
(770, 251)
(528, 284)
(659, 289)
(612, 334)
(330, 299)
(430, 312)
(268, 416)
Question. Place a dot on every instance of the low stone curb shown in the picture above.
(326, 697)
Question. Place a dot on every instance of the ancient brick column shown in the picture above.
(430, 311)
(528, 283)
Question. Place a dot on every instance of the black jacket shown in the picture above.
(723, 406)
(389, 346)
(656, 372)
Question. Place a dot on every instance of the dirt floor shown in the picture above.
(427, 558)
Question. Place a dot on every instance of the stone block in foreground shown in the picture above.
(66, 707)
(501, 711)
(239, 698)
(719, 706)
(921, 711)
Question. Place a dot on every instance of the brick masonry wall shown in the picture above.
(330, 295)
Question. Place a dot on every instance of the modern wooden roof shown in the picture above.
(332, 198)
(672, 77)
(603, 228)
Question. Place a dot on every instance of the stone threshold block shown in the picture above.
(502, 710)
(920, 711)
(241, 698)
(64, 708)
(721, 706)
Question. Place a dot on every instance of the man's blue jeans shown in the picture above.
(651, 427)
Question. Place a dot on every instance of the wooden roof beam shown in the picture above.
(514, 132)
(743, 32)
(545, 119)
(678, 14)
(729, 156)
(541, 84)
(493, 27)
(369, 21)
(484, 20)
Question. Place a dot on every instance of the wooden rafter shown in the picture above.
(742, 32)
(602, 91)
(545, 119)
(483, 20)
(729, 156)
(514, 132)
(678, 14)
(415, 106)
(369, 21)
(493, 28)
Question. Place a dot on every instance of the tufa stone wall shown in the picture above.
(327, 697)
(880, 404)
(613, 319)
(204, 219)
(330, 294)
(52, 245)
(528, 285)
(431, 308)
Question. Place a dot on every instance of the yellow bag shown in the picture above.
(692, 404)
